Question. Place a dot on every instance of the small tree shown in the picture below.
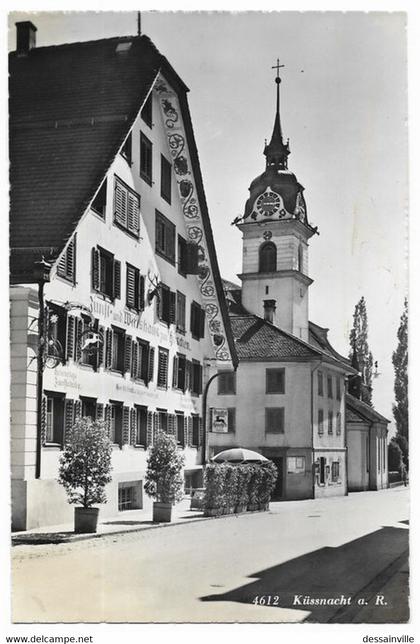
(360, 354)
(85, 463)
(395, 456)
(164, 481)
(400, 362)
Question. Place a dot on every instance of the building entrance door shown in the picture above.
(277, 493)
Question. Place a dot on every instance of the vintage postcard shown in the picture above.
(208, 314)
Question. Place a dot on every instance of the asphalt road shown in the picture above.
(265, 567)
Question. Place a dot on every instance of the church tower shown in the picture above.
(275, 233)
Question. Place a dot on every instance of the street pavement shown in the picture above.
(339, 560)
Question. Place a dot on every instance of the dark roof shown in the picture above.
(257, 339)
(71, 107)
(357, 410)
(318, 337)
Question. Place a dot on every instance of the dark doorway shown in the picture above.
(277, 493)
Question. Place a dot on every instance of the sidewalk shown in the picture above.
(128, 521)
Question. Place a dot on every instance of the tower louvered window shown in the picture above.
(126, 207)
(66, 266)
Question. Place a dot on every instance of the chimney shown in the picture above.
(25, 37)
(269, 310)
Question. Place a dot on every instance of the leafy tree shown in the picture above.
(360, 354)
(400, 362)
(395, 456)
(85, 463)
(164, 481)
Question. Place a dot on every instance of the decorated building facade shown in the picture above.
(117, 306)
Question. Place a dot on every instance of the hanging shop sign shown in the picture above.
(219, 420)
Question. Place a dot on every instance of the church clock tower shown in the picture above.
(275, 232)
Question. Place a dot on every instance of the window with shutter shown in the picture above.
(106, 273)
(175, 372)
(141, 292)
(133, 426)
(134, 289)
(116, 423)
(118, 350)
(320, 421)
(127, 354)
(165, 304)
(180, 312)
(195, 430)
(179, 375)
(338, 424)
(66, 266)
(100, 353)
(125, 425)
(162, 377)
(53, 421)
(274, 420)
(44, 421)
(151, 364)
(68, 417)
(231, 419)
(182, 256)
(197, 317)
(146, 166)
(188, 369)
(274, 381)
(172, 307)
(77, 409)
(196, 378)
(70, 337)
(108, 348)
(141, 426)
(149, 434)
(165, 179)
(126, 207)
(99, 411)
(165, 233)
(180, 429)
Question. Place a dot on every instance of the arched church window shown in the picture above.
(268, 258)
(300, 258)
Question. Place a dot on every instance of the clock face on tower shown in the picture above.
(268, 203)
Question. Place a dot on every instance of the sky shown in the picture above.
(344, 108)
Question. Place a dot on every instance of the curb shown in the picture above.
(24, 541)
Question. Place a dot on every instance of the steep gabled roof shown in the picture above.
(357, 410)
(71, 108)
(257, 339)
(318, 337)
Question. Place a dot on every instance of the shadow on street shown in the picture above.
(327, 573)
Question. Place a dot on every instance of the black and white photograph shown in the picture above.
(208, 232)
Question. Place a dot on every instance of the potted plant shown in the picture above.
(84, 470)
(164, 481)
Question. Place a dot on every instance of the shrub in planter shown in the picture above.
(266, 482)
(254, 474)
(242, 485)
(214, 482)
(164, 481)
(84, 470)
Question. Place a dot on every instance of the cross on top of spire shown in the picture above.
(278, 67)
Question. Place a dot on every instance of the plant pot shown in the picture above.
(162, 512)
(85, 519)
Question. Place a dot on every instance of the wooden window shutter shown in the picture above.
(202, 322)
(200, 379)
(68, 417)
(131, 287)
(188, 368)
(99, 411)
(133, 214)
(43, 420)
(156, 425)
(100, 354)
(120, 204)
(175, 372)
(127, 354)
(185, 433)
(172, 307)
(141, 292)
(117, 279)
(108, 419)
(134, 358)
(95, 269)
(171, 424)
(189, 431)
(149, 428)
(151, 364)
(133, 426)
(108, 348)
(70, 337)
(125, 425)
(61, 266)
(80, 327)
(71, 259)
(200, 431)
(77, 409)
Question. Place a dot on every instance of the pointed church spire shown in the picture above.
(276, 151)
